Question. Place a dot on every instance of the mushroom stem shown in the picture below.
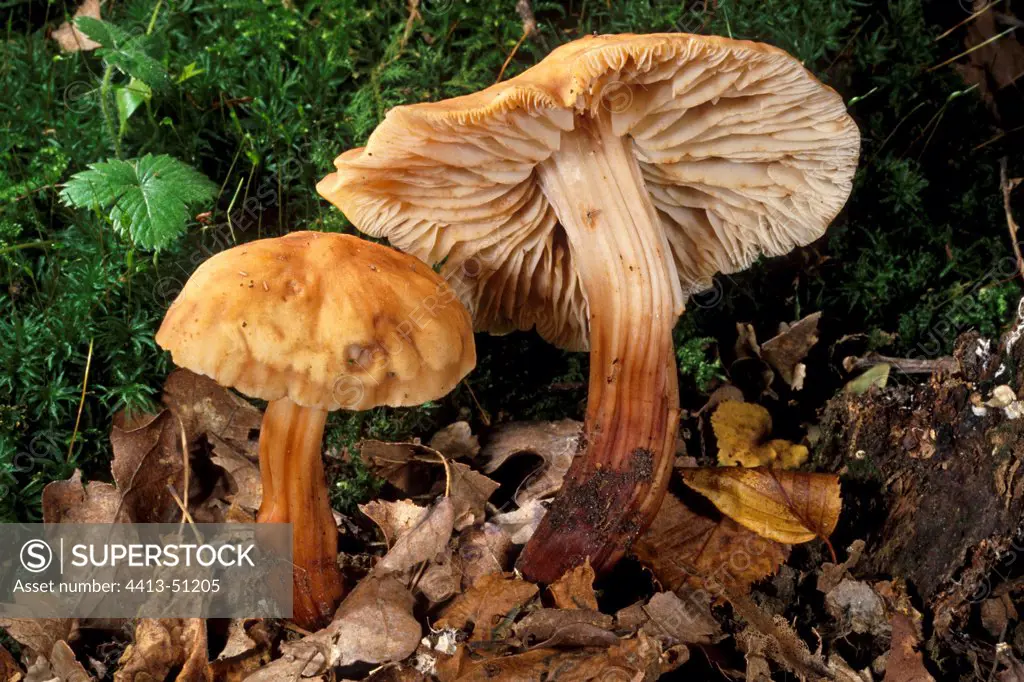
(295, 491)
(616, 483)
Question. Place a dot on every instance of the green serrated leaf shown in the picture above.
(129, 98)
(108, 35)
(147, 198)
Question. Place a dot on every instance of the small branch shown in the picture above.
(905, 365)
(27, 245)
(1007, 185)
(81, 401)
(525, 13)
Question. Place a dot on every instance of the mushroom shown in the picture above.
(315, 322)
(587, 198)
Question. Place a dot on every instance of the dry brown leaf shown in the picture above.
(545, 628)
(67, 35)
(786, 506)
(555, 442)
(520, 524)
(66, 666)
(72, 502)
(410, 467)
(684, 548)
(207, 408)
(424, 541)
(483, 605)
(148, 459)
(244, 475)
(857, 608)
(483, 550)
(38, 634)
(9, 668)
(394, 519)
(456, 441)
(164, 645)
(470, 491)
(673, 621)
(905, 663)
(441, 579)
(786, 351)
(637, 660)
(247, 650)
(575, 589)
(741, 430)
(993, 66)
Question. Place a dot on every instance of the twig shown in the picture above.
(81, 401)
(414, 16)
(525, 13)
(26, 245)
(447, 474)
(187, 468)
(1007, 185)
(972, 17)
(485, 416)
(904, 365)
(976, 47)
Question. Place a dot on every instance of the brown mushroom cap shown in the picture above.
(743, 151)
(330, 321)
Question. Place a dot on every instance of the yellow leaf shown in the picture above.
(741, 430)
(786, 506)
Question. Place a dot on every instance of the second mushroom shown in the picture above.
(315, 322)
(586, 198)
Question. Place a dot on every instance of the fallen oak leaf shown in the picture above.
(207, 408)
(575, 589)
(490, 599)
(787, 506)
(243, 474)
(147, 461)
(687, 550)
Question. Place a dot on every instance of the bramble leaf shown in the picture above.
(147, 198)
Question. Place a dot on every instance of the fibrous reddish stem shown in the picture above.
(617, 480)
(295, 491)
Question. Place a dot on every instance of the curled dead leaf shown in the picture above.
(421, 542)
(544, 628)
(71, 501)
(456, 441)
(674, 620)
(9, 668)
(165, 645)
(206, 408)
(39, 635)
(482, 550)
(483, 606)
(905, 663)
(470, 491)
(575, 589)
(685, 550)
(554, 442)
(786, 351)
(521, 523)
(246, 488)
(65, 666)
(394, 519)
(147, 465)
(741, 430)
(786, 506)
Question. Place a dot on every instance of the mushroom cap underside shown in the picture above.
(328, 320)
(743, 152)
